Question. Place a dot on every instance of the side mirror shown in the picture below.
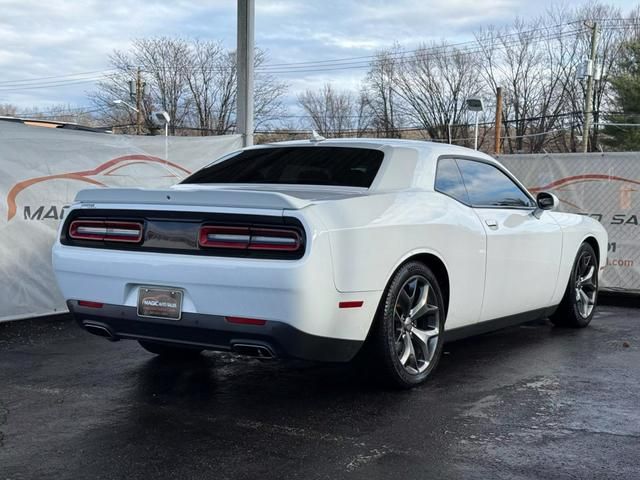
(545, 201)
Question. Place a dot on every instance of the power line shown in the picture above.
(51, 85)
(467, 47)
(401, 56)
(434, 48)
(501, 41)
(38, 79)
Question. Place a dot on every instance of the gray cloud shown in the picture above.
(40, 39)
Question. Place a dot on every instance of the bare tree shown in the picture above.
(380, 90)
(536, 62)
(363, 117)
(164, 63)
(212, 80)
(512, 59)
(614, 30)
(195, 82)
(434, 83)
(8, 110)
(335, 113)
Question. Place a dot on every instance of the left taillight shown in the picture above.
(105, 230)
(250, 238)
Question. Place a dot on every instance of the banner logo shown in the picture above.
(105, 169)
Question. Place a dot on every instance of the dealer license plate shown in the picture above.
(160, 303)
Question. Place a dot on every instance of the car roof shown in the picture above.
(423, 146)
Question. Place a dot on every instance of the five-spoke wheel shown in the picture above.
(406, 338)
(416, 323)
(586, 287)
(581, 296)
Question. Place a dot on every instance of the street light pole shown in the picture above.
(138, 102)
(475, 104)
(588, 108)
(498, 124)
(246, 15)
(475, 141)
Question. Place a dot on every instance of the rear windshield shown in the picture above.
(342, 166)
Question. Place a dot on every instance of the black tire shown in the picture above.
(170, 351)
(391, 336)
(572, 312)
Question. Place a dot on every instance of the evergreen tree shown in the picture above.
(626, 88)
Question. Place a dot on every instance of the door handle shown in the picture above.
(491, 223)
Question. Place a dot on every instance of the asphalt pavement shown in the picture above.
(527, 402)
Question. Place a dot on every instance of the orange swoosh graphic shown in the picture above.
(82, 176)
(563, 182)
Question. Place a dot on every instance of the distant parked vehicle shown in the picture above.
(326, 248)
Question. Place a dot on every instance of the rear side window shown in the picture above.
(488, 186)
(449, 180)
(341, 166)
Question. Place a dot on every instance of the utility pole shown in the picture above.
(588, 103)
(244, 57)
(139, 102)
(498, 126)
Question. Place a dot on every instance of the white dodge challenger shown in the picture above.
(324, 250)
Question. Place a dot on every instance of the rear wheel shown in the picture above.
(406, 337)
(579, 301)
(169, 351)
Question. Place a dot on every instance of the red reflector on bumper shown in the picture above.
(353, 304)
(245, 321)
(85, 303)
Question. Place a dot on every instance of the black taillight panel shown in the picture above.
(192, 233)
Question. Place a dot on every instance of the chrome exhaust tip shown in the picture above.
(99, 330)
(253, 350)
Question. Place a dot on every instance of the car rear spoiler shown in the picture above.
(193, 197)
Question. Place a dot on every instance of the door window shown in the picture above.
(488, 186)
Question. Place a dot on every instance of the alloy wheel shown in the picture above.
(586, 286)
(416, 324)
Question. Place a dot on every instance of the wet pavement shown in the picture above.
(524, 403)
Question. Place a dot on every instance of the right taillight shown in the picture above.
(283, 240)
(250, 238)
(224, 237)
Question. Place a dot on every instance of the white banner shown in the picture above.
(605, 186)
(42, 169)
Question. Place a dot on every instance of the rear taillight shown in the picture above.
(225, 237)
(250, 238)
(274, 239)
(105, 230)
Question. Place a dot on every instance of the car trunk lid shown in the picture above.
(267, 197)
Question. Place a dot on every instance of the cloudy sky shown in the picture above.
(42, 43)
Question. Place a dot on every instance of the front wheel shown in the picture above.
(406, 337)
(170, 351)
(579, 301)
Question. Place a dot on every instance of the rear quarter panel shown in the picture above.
(370, 237)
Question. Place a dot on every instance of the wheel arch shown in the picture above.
(436, 264)
(593, 242)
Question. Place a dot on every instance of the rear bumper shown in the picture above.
(299, 293)
(213, 332)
